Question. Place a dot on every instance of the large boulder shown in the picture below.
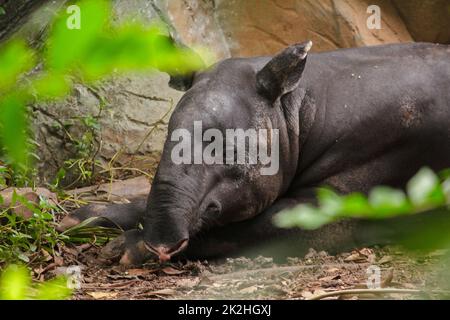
(132, 114)
(197, 24)
(260, 27)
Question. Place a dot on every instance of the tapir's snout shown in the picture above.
(164, 252)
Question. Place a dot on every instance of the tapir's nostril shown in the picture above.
(164, 253)
(214, 207)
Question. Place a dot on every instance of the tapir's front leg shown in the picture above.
(122, 216)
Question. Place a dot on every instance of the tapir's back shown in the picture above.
(381, 114)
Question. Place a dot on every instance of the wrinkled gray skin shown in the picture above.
(350, 119)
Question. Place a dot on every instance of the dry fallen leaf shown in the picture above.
(355, 257)
(187, 283)
(140, 272)
(47, 256)
(330, 278)
(102, 295)
(30, 194)
(438, 253)
(58, 260)
(162, 292)
(409, 286)
(388, 280)
(360, 286)
(369, 253)
(366, 251)
(205, 281)
(318, 291)
(385, 259)
(72, 251)
(172, 271)
(306, 294)
(250, 289)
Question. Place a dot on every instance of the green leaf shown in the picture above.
(136, 47)
(2, 11)
(91, 122)
(424, 189)
(13, 126)
(22, 256)
(23, 236)
(444, 174)
(51, 86)
(14, 283)
(15, 58)
(68, 46)
(84, 232)
(383, 202)
(304, 216)
(387, 202)
(329, 201)
(55, 289)
(356, 205)
(446, 189)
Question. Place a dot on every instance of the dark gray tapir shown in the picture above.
(351, 119)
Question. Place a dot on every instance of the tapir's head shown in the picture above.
(231, 148)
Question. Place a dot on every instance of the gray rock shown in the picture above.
(132, 112)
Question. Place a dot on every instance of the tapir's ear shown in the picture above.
(282, 74)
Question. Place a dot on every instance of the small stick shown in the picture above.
(368, 291)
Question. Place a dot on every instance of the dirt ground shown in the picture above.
(412, 275)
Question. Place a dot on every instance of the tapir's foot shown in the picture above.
(123, 216)
(128, 249)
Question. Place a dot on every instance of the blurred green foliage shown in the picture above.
(15, 58)
(87, 54)
(13, 122)
(90, 53)
(425, 191)
(16, 284)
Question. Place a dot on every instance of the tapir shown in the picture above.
(350, 119)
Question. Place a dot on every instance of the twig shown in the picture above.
(370, 291)
(143, 96)
(154, 125)
(126, 169)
